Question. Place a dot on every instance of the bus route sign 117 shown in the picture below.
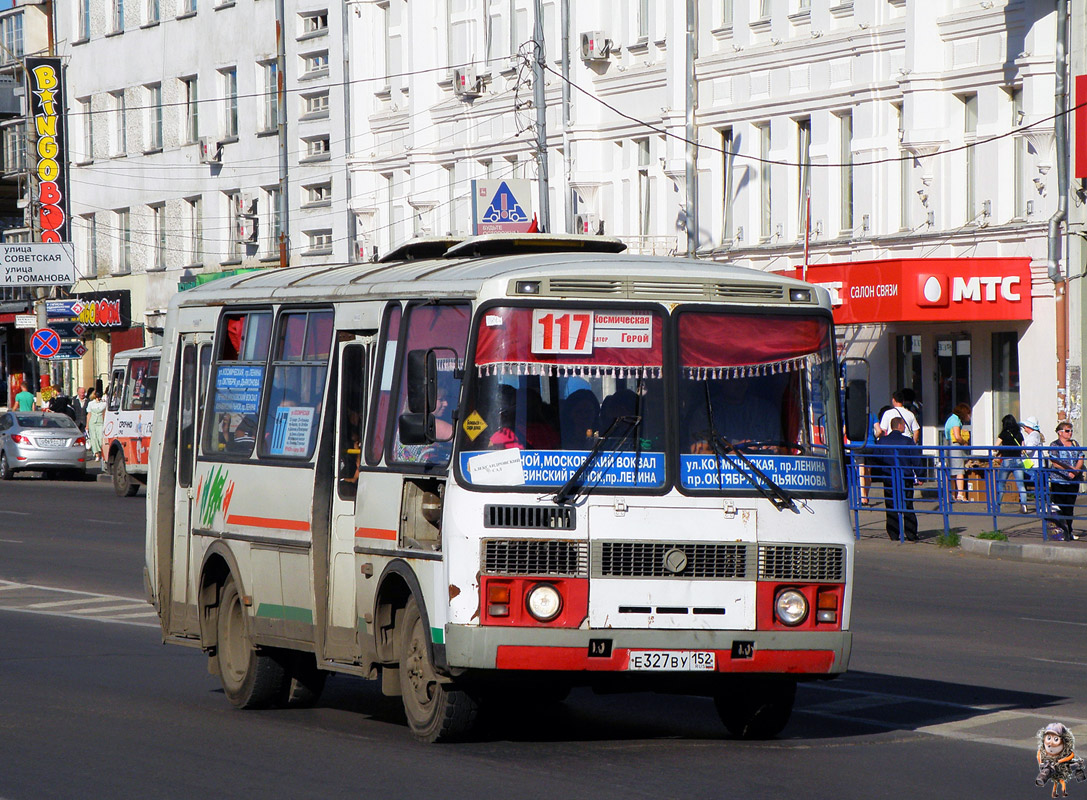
(37, 264)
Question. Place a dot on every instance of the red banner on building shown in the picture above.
(926, 289)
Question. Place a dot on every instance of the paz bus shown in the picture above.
(130, 409)
(501, 467)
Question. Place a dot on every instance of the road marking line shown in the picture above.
(1055, 661)
(1054, 621)
(12, 541)
(149, 613)
(82, 601)
(95, 595)
(10, 586)
(16, 513)
(113, 620)
(103, 610)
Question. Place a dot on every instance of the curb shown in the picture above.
(1069, 553)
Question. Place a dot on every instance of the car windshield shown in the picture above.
(548, 385)
(46, 421)
(764, 385)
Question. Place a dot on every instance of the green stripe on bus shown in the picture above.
(289, 613)
(361, 625)
(437, 635)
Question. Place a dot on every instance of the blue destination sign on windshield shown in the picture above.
(789, 472)
(556, 467)
(237, 389)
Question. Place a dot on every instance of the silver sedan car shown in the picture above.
(41, 441)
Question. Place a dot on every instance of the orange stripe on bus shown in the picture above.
(267, 522)
(376, 533)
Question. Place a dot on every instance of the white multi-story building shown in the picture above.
(921, 131)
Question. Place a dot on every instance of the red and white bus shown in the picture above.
(130, 416)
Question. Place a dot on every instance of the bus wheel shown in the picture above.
(756, 709)
(123, 486)
(251, 678)
(436, 709)
(305, 681)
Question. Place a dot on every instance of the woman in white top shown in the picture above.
(96, 420)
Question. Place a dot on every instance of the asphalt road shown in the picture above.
(957, 661)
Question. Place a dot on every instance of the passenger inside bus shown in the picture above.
(752, 411)
(577, 421)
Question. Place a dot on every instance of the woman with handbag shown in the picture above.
(1010, 459)
(956, 436)
(1065, 470)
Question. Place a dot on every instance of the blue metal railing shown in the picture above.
(990, 474)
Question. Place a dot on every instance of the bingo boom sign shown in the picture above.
(45, 80)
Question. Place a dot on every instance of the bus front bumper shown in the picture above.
(798, 653)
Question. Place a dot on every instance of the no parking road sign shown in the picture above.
(45, 342)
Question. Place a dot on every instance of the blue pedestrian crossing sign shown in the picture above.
(502, 206)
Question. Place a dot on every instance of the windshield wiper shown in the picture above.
(723, 448)
(575, 483)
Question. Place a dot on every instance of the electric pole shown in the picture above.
(541, 115)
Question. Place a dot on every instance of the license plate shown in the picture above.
(672, 661)
(53, 442)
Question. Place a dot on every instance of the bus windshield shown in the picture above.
(763, 385)
(551, 385)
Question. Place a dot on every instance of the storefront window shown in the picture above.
(952, 375)
(909, 375)
(1005, 375)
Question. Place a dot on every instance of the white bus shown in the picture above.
(130, 411)
(504, 466)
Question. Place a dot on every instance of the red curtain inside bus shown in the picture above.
(767, 343)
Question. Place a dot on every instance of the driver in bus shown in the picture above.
(745, 411)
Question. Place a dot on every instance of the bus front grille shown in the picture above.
(683, 560)
(534, 517)
(798, 562)
(535, 557)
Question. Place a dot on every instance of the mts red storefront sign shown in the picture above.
(926, 290)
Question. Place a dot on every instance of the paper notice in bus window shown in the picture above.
(632, 329)
(497, 468)
(291, 432)
(237, 389)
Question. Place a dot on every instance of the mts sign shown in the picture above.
(926, 290)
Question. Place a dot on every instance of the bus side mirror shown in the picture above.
(422, 381)
(417, 428)
(856, 410)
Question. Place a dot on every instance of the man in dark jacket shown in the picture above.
(896, 464)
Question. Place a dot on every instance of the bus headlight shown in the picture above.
(791, 607)
(543, 602)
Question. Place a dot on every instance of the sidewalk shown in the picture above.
(1024, 543)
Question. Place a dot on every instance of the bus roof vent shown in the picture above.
(583, 286)
(421, 247)
(751, 292)
(508, 244)
(654, 289)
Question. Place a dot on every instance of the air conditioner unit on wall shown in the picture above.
(595, 46)
(587, 224)
(466, 83)
(211, 152)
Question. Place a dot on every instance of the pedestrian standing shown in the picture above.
(897, 466)
(1032, 455)
(1065, 470)
(96, 421)
(1009, 459)
(956, 436)
(79, 408)
(898, 410)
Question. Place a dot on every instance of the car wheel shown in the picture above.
(5, 468)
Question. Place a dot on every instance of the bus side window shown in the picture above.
(352, 414)
(237, 381)
(188, 417)
(116, 389)
(383, 385)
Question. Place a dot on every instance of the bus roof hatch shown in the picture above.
(507, 244)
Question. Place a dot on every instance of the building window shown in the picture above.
(317, 148)
(765, 8)
(318, 194)
(188, 7)
(905, 170)
(153, 12)
(154, 116)
(1005, 375)
(233, 215)
(970, 133)
(1019, 157)
(845, 158)
(316, 104)
(120, 120)
(15, 147)
(728, 223)
(90, 255)
(158, 242)
(230, 103)
(803, 160)
(315, 63)
(124, 241)
(765, 216)
(645, 211)
(86, 117)
(726, 13)
(84, 20)
(274, 226)
(461, 33)
(118, 15)
(196, 230)
(643, 20)
(192, 109)
(319, 242)
(315, 23)
(271, 95)
(11, 33)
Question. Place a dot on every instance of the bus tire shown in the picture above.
(123, 485)
(756, 708)
(436, 709)
(251, 678)
(305, 681)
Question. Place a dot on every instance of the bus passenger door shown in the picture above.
(341, 640)
(195, 360)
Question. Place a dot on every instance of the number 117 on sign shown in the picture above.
(562, 332)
